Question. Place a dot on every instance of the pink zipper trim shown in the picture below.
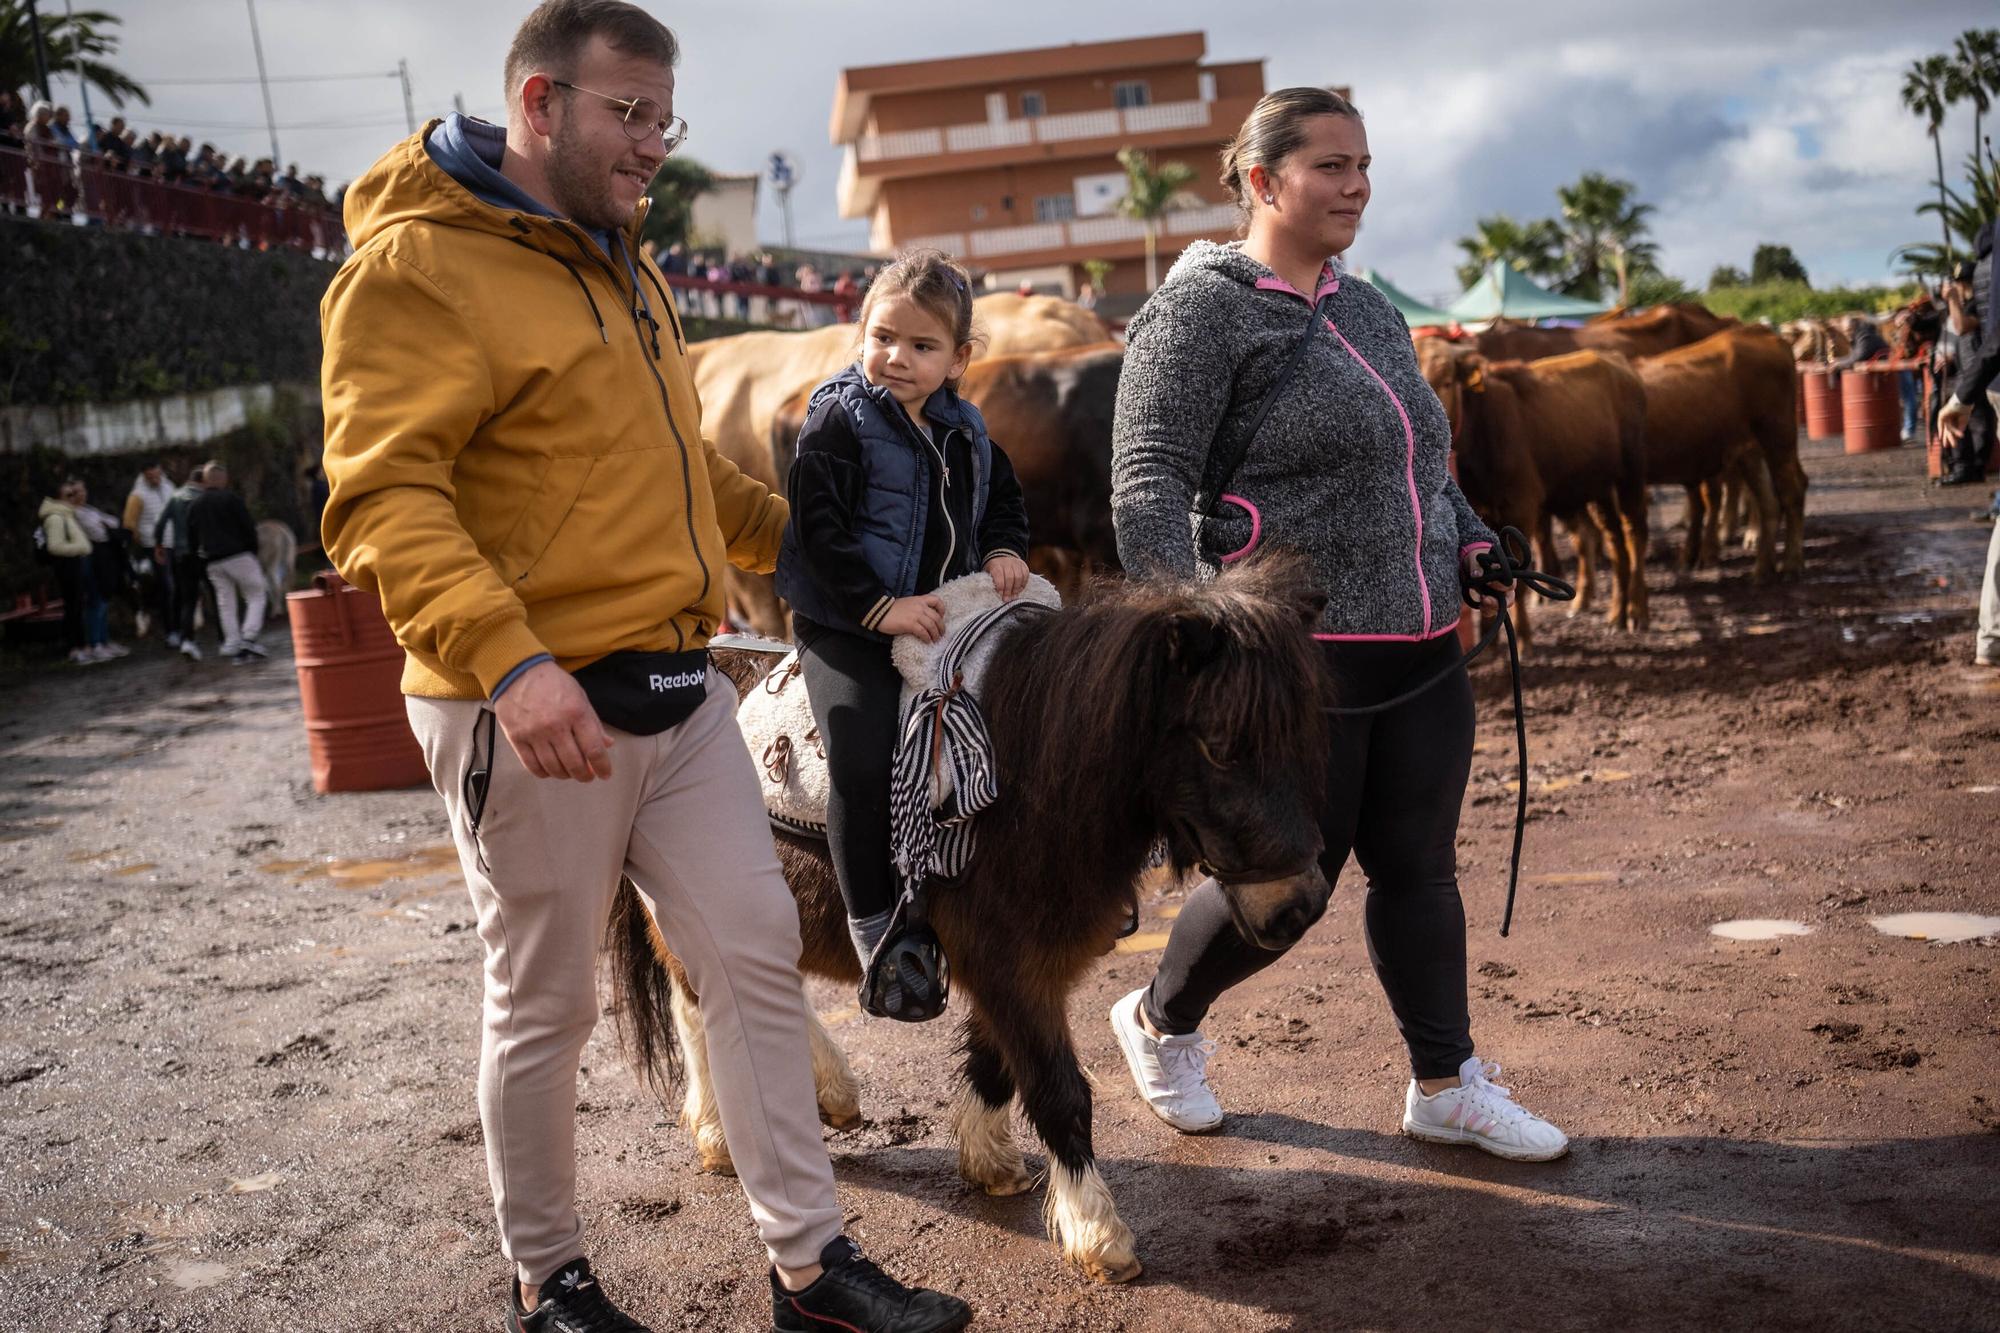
(1409, 471)
(1389, 638)
(1328, 282)
(1256, 528)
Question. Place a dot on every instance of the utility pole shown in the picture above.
(41, 52)
(82, 84)
(409, 104)
(270, 119)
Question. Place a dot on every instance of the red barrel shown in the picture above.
(1822, 394)
(1871, 410)
(350, 683)
(1799, 394)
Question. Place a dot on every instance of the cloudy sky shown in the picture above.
(1741, 120)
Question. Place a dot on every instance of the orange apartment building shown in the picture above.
(1008, 161)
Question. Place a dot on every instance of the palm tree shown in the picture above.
(1604, 226)
(1924, 85)
(1977, 60)
(1532, 248)
(1150, 194)
(73, 42)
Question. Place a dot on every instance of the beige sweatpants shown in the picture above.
(681, 815)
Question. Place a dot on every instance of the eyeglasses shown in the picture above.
(644, 118)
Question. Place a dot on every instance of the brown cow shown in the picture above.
(1648, 333)
(743, 380)
(1571, 426)
(1051, 412)
(1714, 405)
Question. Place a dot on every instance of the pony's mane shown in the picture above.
(1088, 695)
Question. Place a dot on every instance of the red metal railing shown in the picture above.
(55, 186)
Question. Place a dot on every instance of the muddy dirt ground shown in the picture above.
(238, 1021)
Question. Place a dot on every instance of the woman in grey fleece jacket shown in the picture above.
(1349, 469)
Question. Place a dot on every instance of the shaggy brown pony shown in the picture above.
(1185, 711)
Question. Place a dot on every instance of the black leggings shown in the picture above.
(855, 691)
(1395, 781)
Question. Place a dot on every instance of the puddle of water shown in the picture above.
(1144, 942)
(1758, 928)
(193, 1276)
(1938, 927)
(137, 868)
(370, 872)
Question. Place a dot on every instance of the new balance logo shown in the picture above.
(679, 680)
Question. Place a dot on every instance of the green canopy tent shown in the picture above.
(1415, 312)
(1504, 290)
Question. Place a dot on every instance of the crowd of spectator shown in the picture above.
(62, 159)
(763, 269)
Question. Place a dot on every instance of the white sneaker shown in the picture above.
(83, 657)
(111, 650)
(230, 647)
(1172, 1072)
(1481, 1112)
(190, 650)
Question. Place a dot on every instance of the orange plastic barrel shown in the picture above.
(350, 684)
(1822, 394)
(1871, 410)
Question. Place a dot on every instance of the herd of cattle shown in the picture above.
(1548, 425)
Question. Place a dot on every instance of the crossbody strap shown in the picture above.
(1224, 466)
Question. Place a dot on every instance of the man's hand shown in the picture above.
(1953, 418)
(922, 616)
(552, 727)
(1010, 575)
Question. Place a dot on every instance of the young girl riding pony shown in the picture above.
(896, 490)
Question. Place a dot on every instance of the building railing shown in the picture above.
(57, 188)
(1081, 233)
(1065, 128)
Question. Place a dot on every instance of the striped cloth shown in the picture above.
(943, 775)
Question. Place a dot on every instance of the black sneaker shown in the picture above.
(854, 1295)
(571, 1302)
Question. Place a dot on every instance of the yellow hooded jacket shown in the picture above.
(513, 450)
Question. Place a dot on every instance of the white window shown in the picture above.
(1055, 207)
(1134, 93)
(1032, 105)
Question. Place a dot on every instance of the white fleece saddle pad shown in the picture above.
(776, 716)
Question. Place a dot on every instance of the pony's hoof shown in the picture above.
(718, 1166)
(840, 1117)
(1111, 1268)
(1007, 1186)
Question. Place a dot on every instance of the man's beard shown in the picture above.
(583, 195)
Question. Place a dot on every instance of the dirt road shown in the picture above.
(238, 1021)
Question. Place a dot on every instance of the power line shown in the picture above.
(276, 78)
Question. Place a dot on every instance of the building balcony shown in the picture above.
(876, 157)
(1083, 238)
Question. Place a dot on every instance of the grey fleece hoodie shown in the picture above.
(1350, 467)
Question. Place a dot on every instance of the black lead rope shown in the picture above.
(1503, 566)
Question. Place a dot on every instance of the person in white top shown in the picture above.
(144, 507)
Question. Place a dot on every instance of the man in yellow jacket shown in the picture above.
(516, 467)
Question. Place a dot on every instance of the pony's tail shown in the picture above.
(642, 993)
